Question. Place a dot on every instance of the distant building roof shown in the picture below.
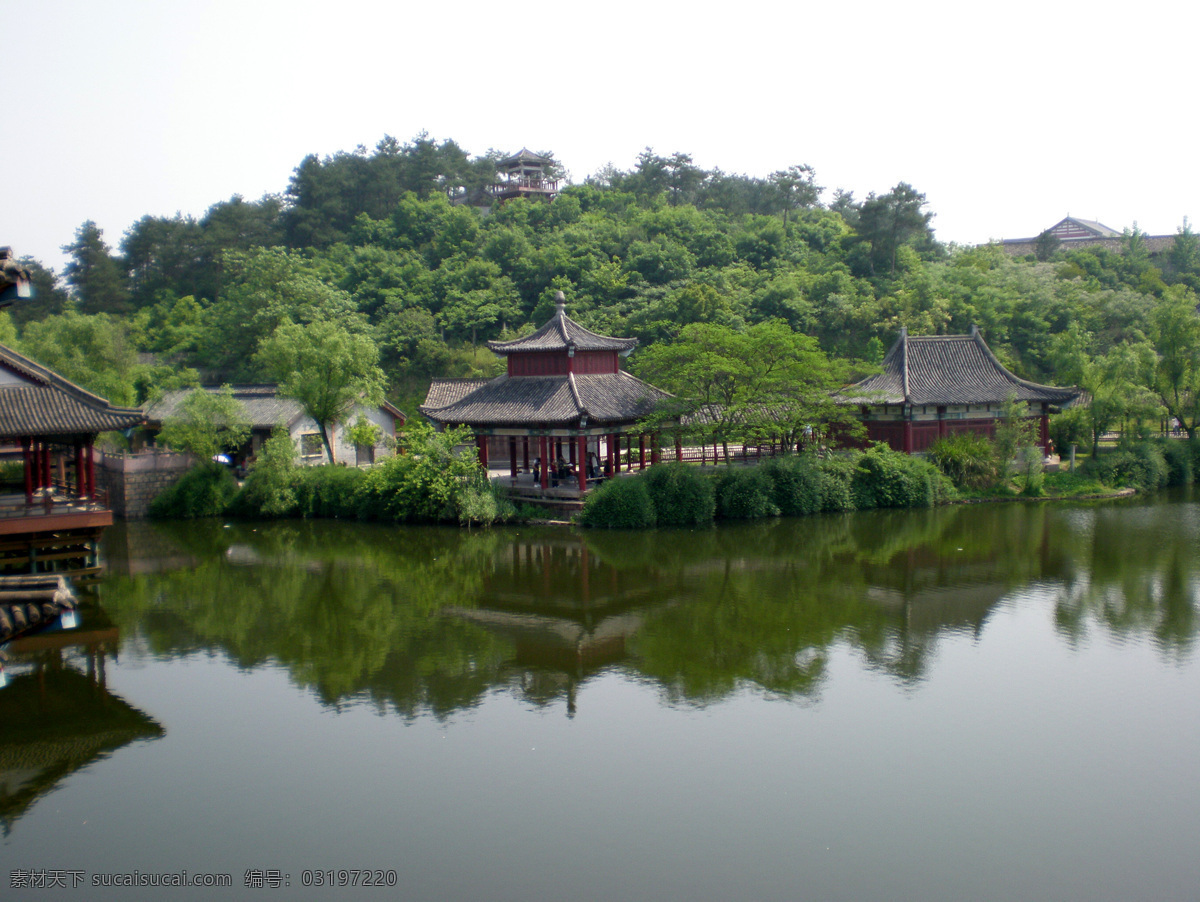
(561, 333)
(944, 370)
(524, 155)
(263, 405)
(36, 401)
(550, 401)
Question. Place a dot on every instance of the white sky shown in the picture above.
(1008, 116)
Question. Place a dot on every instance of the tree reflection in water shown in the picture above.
(429, 620)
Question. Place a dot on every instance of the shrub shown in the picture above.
(682, 496)
(425, 483)
(837, 481)
(968, 459)
(1033, 469)
(1179, 460)
(1140, 466)
(206, 490)
(622, 503)
(328, 491)
(796, 484)
(745, 493)
(270, 488)
(886, 478)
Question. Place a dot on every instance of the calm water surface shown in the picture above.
(992, 702)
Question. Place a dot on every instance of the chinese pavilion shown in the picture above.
(564, 391)
(933, 386)
(523, 175)
(54, 424)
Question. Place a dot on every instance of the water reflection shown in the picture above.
(58, 714)
(429, 621)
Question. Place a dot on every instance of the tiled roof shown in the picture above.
(446, 391)
(947, 369)
(262, 403)
(524, 155)
(550, 401)
(39, 402)
(561, 333)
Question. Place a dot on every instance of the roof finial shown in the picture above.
(560, 300)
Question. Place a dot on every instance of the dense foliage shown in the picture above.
(683, 495)
(377, 270)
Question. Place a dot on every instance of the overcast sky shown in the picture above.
(1008, 116)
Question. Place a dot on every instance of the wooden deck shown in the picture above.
(54, 534)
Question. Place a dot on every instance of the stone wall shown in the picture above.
(132, 481)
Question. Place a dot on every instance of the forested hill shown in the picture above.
(371, 240)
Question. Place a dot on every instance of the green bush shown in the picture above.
(270, 488)
(681, 494)
(886, 478)
(968, 459)
(1033, 470)
(328, 491)
(206, 490)
(1180, 461)
(424, 484)
(622, 503)
(1139, 466)
(745, 493)
(796, 484)
(12, 473)
(837, 481)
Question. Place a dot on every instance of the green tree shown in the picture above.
(94, 274)
(892, 221)
(764, 381)
(797, 189)
(326, 368)
(1176, 336)
(207, 424)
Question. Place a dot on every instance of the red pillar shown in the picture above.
(908, 442)
(481, 444)
(608, 456)
(91, 471)
(579, 449)
(79, 477)
(27, 457)
(544, 446)
(642, 451)
(47, 479)
(525, 452)
(512, 457)
(678, 450)
(654, 455)
(572, 459)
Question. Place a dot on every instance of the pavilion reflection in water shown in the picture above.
(567, 612)
(57, 712)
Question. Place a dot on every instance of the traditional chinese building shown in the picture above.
(564, 396)
(523, 175)
(59, 514)
(933, 386)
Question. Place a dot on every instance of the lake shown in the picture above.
(975, 702)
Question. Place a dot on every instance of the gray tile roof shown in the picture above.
(446, 391)
(549, 401)
(944, 370)
(561, 333)
(262, 404)
(42, 403)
